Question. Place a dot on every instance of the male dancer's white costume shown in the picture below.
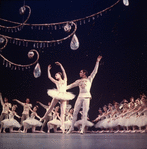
(84, 97)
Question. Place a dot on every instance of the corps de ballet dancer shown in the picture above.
(26, 108)
(56, 122)
(49, 117)
(69, 116)
(142, 116)
(100, 119)
(11, 122)
(59, 93)
(78, 123)
(84, 96)
(5, 109)
(31, 122)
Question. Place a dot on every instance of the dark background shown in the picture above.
(118, 35)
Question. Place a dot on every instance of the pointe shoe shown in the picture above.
(81, 132)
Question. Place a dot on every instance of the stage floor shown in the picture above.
(72, 141)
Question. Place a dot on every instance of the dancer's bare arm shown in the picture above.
(63, 70)
(44, 106)
(95, 70)
(1, 99)
(49, 75)
(19, 102)
(76, 83)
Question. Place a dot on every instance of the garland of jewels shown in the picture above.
(67, 26)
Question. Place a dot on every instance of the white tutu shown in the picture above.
(55, 122)
(67, 124)
(99, 124)
(7, 123)
(122, 121)
(79, 122)
(54, 93)
(32, 122)
(132, 120)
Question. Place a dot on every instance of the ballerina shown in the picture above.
(78, 123)
(31, 122)
(6, 107)
(11, 122)
(59, 93)
(55, 123)
(69, 117)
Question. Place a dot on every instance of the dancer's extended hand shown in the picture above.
(49, 67)
(41, 119)
(58, 63)
(99, 58)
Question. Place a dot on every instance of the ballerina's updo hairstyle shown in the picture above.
(60, 73)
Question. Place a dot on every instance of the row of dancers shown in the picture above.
(129, 117)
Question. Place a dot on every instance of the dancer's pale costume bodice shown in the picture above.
(61, 86)
(12, 114)
(6, 107)
(26, 108)
(33, 114)
(85, 84)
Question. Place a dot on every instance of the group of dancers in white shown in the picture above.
(131, 115)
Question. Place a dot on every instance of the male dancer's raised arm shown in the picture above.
(95, 70)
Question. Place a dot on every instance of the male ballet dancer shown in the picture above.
(84, 95)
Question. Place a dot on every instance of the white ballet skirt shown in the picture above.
(67, 124)
(54, 93)
(122, 121)
(131, 121)
(55, 121)
(79, 122)
(99, 124)
(31, 121)
(142, 120)
(11, 122)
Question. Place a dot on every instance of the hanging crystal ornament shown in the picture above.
(93, 18)
(31, 27)
(26, 44)
(44, 45)
(2, 40)
(34, 45)
(37, 71)
(47, 45)
(12, 30)
(16, 42)
(30, 54)
(42, 28)
(22, 10)
(101, 14)
(126, 2)
(40, 45)
(37, 45)
(55, 27)
(74, 44)
(19, 43)
(23, 43)
(13, 41)
(67, 28)
(3, 62)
